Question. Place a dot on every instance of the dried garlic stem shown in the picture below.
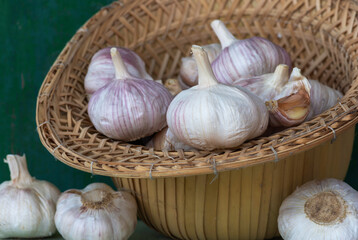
(280, 76)
(119, 67)
(225, 36)
(206, 75)
(18, 169)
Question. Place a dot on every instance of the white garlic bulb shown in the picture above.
(101, 70)
(188, 70)
(27, 205)
(320, 210)
(129, 108)
(245, 58)
(97, 212)
(215, 116)
(322, 98)
(166, 140)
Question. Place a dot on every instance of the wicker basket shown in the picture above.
(200, 194)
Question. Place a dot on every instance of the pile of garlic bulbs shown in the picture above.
(30, 208)
(126, 104)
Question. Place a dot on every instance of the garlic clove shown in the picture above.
(96, 212)
(245, 58)
(188, 69)
(27, 205)
(129, 108)
(101, 70)
(173, 86)
(215, 116)
(326, 209)
(166, 140)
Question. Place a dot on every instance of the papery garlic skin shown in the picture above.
(166, 140)
(322, 98)
(129, 108)
(245, 58)
(215, 116)
(101, 70)
(320, 210)
(27, 205)
(97, 212)
(188, 69)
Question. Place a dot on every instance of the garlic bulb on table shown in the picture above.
(320, 210)
(245, 58)
(97, 212)
(166, 140)
(188, 70)
(27, 205)
(101, 70)
(128, 108)
(215, 116)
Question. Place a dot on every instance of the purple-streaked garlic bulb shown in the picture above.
(166, 140)
(188, 69)
(287, 96)
(128, 108)
(322, 98)
(245, 58)
(211, 115)
(101, 70)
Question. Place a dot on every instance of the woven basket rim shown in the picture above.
(326, 126)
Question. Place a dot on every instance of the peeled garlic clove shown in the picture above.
(215, 116)
(166, 140)
(128, 108)
(188, 68)
(245, 58)
(101, 70)
(97, 212)
(27, 205)
(320, 210)
(322, 98)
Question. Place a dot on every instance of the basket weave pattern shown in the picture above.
(321, 37)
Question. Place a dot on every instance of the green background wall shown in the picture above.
(32, 34)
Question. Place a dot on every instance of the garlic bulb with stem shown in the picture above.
(188, 70)
(97, 212)
(128, 108)
(101, 70)
(27, 205)
(215, 116)
(245, 58)
(320, 210)
(166, 140)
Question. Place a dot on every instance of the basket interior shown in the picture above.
(318, 35)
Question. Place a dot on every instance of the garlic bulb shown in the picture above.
(166, 140)
(96, 212)
(245, 58)
(289, 104)
(173, 86)
(326, 209)
(322, 98)
(27, 205)
(128, 108)
(188, 69)
(215, 116)
(101, 70)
